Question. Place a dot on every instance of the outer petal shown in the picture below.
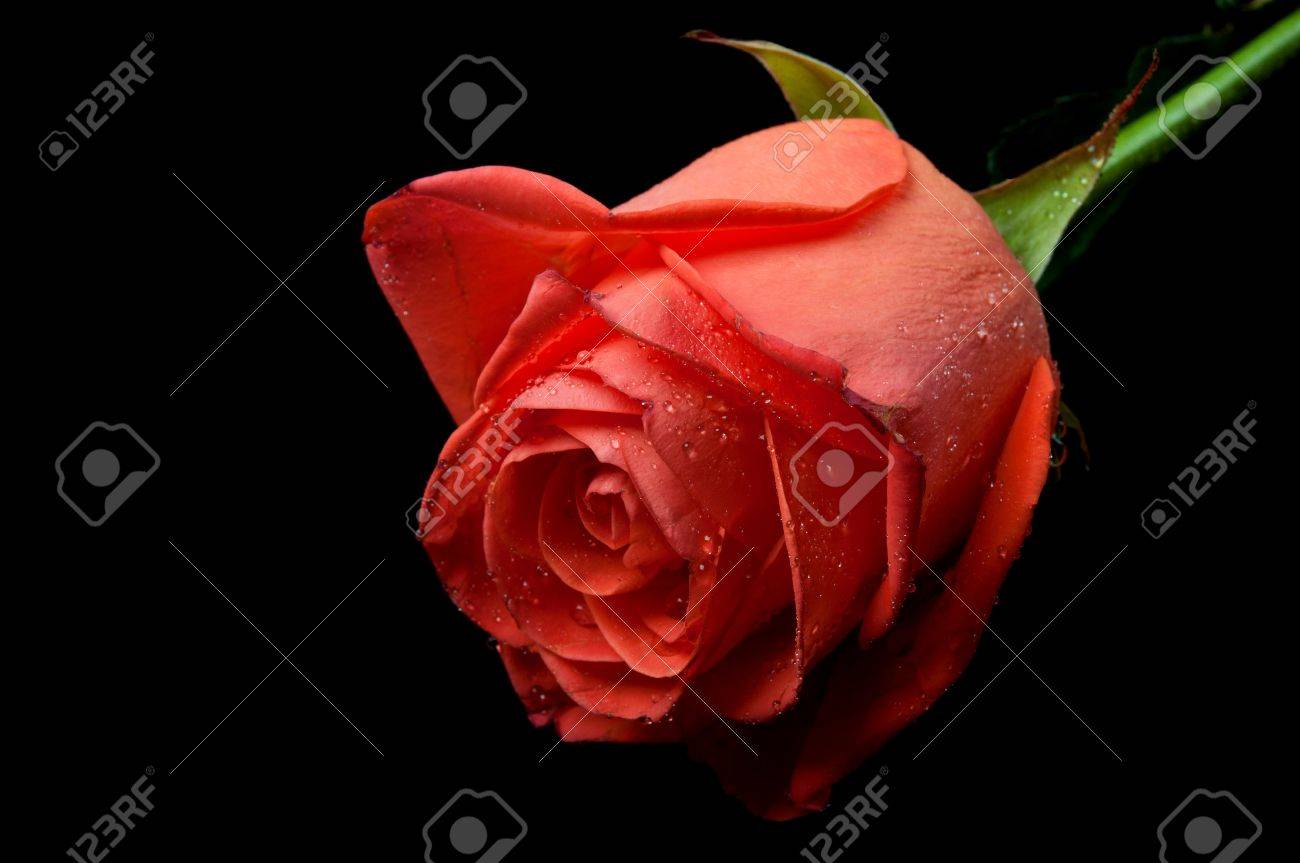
(533, 683)
(576, 724)
(759, 679)
(464, 573)
(871, 694)
(747, 181)
(436, 248)
(874, 693)
(904, 488)
(835, 568)
(554, 324)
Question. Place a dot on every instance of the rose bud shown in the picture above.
(718, 444)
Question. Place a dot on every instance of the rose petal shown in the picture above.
(622, 620)
(903, 490)
(534, 684)
(611, 689)
(690, 423)
(743, 183)
(546, 609)
(464, 573)
(579, 561)
(554, 326)
(574, 390)
(760, 781)
(611, 511)
(760, 678)
(838, 565)
(605, 496)
(574, 724)
(436, 250)
(675, 510)
(874, 693)
(751, 590)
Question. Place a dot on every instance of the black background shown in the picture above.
(287, 464)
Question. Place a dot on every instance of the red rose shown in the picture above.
(708, 437)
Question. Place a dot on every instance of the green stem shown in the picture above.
(1144, 141)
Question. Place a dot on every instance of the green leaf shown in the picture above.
(810, 86)
(1032, 211)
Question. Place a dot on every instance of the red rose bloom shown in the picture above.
(708, 438)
